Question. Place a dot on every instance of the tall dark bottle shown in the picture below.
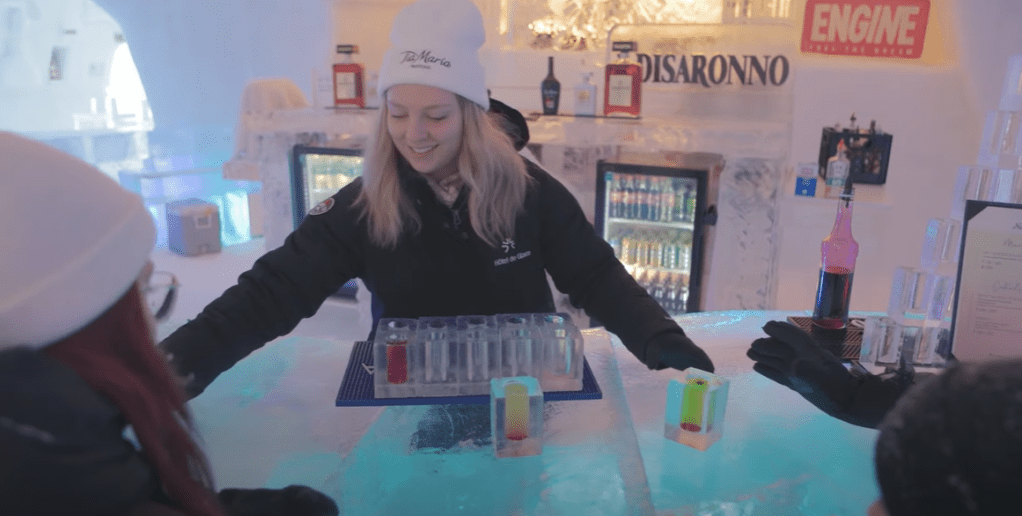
(551, 90)
(839, 250)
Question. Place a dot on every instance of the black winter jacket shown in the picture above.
(62, 445)
(444, 270)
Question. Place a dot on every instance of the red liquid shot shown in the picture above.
(832, 298)
(397, 362)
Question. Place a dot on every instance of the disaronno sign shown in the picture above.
(715, 70)
(869, 28)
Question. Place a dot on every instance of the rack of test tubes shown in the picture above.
(452, 356)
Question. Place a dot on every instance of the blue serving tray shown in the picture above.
(357, 386)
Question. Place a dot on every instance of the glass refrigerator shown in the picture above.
(658, 220)
(316, 174)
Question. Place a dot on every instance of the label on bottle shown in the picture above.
(620, 90)
(344, 84)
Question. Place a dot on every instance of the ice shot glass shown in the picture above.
(479, 353)
(439, 341)
(695, 409)
(516, 416)
(397, 356)
(518, 339)
(562, 348)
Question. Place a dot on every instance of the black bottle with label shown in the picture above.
(551, 90)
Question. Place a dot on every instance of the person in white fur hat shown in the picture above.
(447, 219)
(77, 356)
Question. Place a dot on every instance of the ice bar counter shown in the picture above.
(271, 421)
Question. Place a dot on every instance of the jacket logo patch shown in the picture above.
(322, 207)
(513, 258)
(508, 244)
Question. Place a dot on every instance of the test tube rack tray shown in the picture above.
(356, 388)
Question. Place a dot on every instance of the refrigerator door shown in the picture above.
(653, 217)
(317, 173)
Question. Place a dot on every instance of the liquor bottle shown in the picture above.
(837, 171)
(348, 89)
(623, 85)
(551, 90)
(839, 250)
(585, 96)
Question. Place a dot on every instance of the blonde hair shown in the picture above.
(487, 163)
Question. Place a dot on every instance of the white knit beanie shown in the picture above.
(436, 43)
(72, 241)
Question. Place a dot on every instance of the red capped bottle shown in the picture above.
(839, 250)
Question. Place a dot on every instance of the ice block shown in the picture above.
(518, 338)
(694, 412)
(479, 353)
(398, 358)
(439, 336)
(516, 416)
(562, 346)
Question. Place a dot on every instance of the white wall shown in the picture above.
(195, 58)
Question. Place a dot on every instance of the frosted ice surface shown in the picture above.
(589, 463)
(778, 455)
(271, 418)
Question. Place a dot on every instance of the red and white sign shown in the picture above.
(868, 28)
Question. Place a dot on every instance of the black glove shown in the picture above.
(289, 501)
(676, 351)
(790, 357)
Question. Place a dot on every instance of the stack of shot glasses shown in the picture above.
(453, 356)
(918, 322)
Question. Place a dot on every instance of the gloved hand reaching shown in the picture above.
(676, 351)
(790, 357)
(289, 501)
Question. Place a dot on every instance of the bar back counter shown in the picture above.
(272, 421)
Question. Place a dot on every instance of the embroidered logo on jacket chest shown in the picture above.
(508, 246)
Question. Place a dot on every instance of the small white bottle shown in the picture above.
(837, 171)
(585, 96)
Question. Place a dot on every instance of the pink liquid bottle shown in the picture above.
(839, 251)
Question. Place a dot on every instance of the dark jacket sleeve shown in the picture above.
(283, 287)
(583, 266)
(62, 449)
(877, 395)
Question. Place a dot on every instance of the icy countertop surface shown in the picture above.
(271, 421)
(779, 455)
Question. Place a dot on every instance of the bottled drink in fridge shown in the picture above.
(627, 197)
(613, 195)
(654, 199)
(642, 212)
(667, 200)
(839, 250)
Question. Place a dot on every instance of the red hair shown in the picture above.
(116, 354)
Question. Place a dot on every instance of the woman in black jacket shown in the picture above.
(447, 219)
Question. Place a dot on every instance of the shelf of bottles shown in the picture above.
(649, 223)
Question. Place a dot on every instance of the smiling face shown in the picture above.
(425, 124)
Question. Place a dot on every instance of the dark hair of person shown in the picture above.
(953, 444)
(117, 356)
